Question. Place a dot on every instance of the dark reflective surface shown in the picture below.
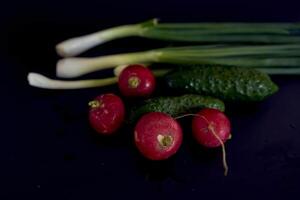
(49, 151)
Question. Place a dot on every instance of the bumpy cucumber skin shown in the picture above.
(225, 82)
(175, 106)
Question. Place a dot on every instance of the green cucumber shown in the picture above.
(175, 106)
(228, 83)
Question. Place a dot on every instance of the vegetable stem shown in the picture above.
(253, 62)
(77, 45)
(280, 71)
(40, 81)
(160, 72)
(156, 72)
(261, 56)
(231, 26)
(74, 67)
(273, 33)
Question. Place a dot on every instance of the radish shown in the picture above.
(106, 113)
(136, 81)
(157, 136)
(211, 128)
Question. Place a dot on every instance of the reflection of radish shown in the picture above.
(136, 81)
(157, 136)
(106, 113)
(211, 128)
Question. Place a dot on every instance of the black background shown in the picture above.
(48, 150)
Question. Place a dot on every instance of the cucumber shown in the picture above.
(228, 83)
(175, 106)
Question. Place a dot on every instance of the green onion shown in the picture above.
(74, 67)
(78, 45)
(269, 27)
(188, 32)
(261, 56)
(119, 69)
(287, 62)
(281, 71)
(40, 81)
(160, 72)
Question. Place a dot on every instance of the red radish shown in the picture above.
(207, 121)
(211, 128)
(106, 113)
(157, 136)
(136, 81)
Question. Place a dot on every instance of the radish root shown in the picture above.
(211, 128)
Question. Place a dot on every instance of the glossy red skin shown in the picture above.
(149, 127)
(217, 120)
(108, 117)
(145, 87)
